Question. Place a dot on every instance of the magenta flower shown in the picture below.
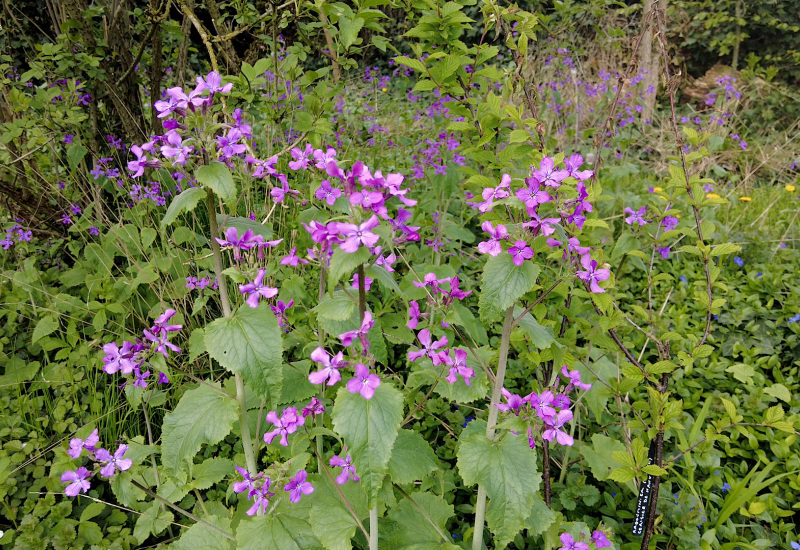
(548, 175)
(114, 462)
(160, 326)
(301, 157)
(669, 223)
(554, 430)
(261, 499)
(323, 158)
(513, 402)
(247, 241)
(175, 149)
(79, 479)
(314, 408)
(532, 195)
(348, 470)
(428, 348)
(356, 235)
(293, 259)
(279, 193)
(213, 83)
(545, 226)
(542, 404)
(455, 292)
(636, 217)
(327, 192)
(364, 382)
(574, 377)
(77, 445)
(460, 368)
(490, 194)
(413, 315)
(330, 367)
(119, 359)
(256, 290)
(492, 246)
(367, 282)
(284, 426)
(137, 166)
(248, 484)
(520, 252)
(176, 100)
(600, 540)
(399, 224)
(298, 486)
(279, 309)
(229, 146)
(573, 163)
(361, 333)
(431, 280)
(570, 544)
(141, 378)
(592, 275)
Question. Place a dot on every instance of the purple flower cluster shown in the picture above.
(18, 231)
(131, 356)
(598, 540)
(108, 464)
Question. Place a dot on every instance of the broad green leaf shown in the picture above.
(330, 519)
(409, 528)
(507, 468)
(339, 307)
(280, 530)
(202, 536)
(743, 373)
(296, 386)
(211, 471)
(45, 327)
(343, 263)
(18, 371)
(217, 177)
(92, 511)
(369, 428)
(541, 337)
(184, 202)
(203, 416)
(779, 391)
(504, 283)
(349, 29)
(242, 225)
(598, 455)
(249, 343)
(153, 521)
(412, 458)
(540, 518)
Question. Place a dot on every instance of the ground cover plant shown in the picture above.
(491, 280)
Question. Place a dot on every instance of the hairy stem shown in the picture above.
(247, 442)
(480, 505)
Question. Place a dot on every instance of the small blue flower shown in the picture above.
(758, 275)
(726, 487)
(683, 278)
(796, 545)
(467, 420)
(456, 536)
(794, 319)
(738, 261)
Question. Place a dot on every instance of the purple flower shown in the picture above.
(77, 445)
(68, 138)
(301, 157)
(520, 252)
(93, 231)
(279, 309)
(545, 226)
(137, 166)
(141, 378)
(79, 479)
(573, 163)
(279, 193)
(257, 289)
(293, 259)
(175, 148)
(532, 195)
(298, 486)
(574, 377)
(247, 241)
(428, 348)
(554, 430)
(413, 315)
(455, 292)
(323, 158)
(314, 408)
(548, 175)
(213, 83)
(592, 275)
(327, 192)
(664, 251)
(364, 382)
(669, 223)
(492, 246)
(356, 235)
(285, 425)
(113, 462)
(248, 484)
(119, 359)
(570, 544)
(367, 282)
(738, 261)
(460, 368)
(361, 333)
(513, 401)
(331, 366)
(490, 194)
(600, 540)
(636, 217)
(261, 499)
(348, 470)
(228, 145)
(542, 404)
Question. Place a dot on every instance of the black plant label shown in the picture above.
(643, 504)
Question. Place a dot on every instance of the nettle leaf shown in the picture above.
(369, 428)
(344, 263)
(412, 458)
(503, 283)
(218, 178)
(507, 468)
(202, 536)
(203, 416)
(408, 528)
(184, 202)
(249, 343)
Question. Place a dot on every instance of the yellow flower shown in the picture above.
(745, 199)
(384, 89)
(657, 190)
(712, 196)
(790, 188)
(662, 197)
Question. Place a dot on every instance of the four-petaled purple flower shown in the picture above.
(490, 194)
(79, 481)
(331, 366)
(327, 192)
(256, 290)
(460, 368)
(261, 499)
(314, 408)
(600, 540)
(248, 484)
(77, 445)
(428, 348)
(118, 359)
(592, 275)
(279, 309)
(298, 486)
(348, 470)
(356, 235)
(284, 426)
(637, 216)
(113, 462)
(570, 543)
(497, 234)
(520, 252)
(574, 377)
(548, 175)
(554, 430)
(413, 315)
(361, 333)
(364, 382)
(301, 156)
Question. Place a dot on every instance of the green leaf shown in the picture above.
(203, 415)
(296, 386)
(184, 202)
(217, 177)
(540, 518)
(278, 530)
(622, 474)
(242, 225)
(249, 343)
(339, 307)
(211, 471)
(412, 458)
(743, 373)
(507, 468)
(330, 520)
(202, 536)
(343, 263)
(45, 327)
(92, 511)
(409, 528)
(504, 283)
(369, 428)
(654, 470)
(779, 391)
(349, 29)
(75, 154)
(541, 337)
(153, 521)
(599, 455)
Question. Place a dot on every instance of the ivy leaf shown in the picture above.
(203, 415)
(218, 178)
(184, 202)
(504, 283)
(202, 536)
(408, 528)
(249, 343)
(412, 458)
(507, 468)
(369, 428)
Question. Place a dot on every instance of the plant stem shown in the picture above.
(480, 505)
(373, 528)
(247, 442)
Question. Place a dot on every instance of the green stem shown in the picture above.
(373, 528)
(502, 361)
(247, 441)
